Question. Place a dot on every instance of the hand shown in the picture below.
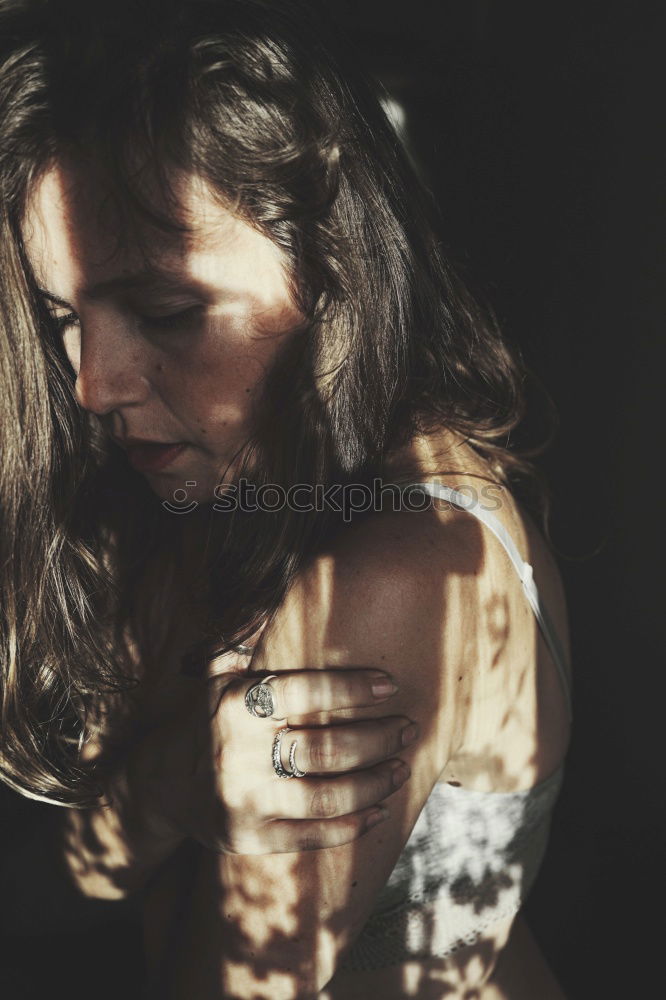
(222, 789)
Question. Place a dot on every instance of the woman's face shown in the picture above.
(171, 352)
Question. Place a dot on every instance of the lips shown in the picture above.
(153, 457)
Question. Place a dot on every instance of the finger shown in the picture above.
(335, 749)
(313, 798)
(307, 692)
(286, 836)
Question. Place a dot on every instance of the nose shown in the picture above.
(110, 361)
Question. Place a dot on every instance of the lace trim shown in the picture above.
(470, 861)
(392, 938)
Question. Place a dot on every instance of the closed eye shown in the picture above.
(62, 322)
(169, 321)
(165, 322)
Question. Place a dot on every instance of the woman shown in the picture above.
(230, 340)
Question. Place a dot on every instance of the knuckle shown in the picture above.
(310, 841)
(349, 828)
(324, 802)
(384, 785)
(243, 845)
(389, 741)
(323, 755)
(285, 689)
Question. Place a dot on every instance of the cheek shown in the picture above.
(212, 384)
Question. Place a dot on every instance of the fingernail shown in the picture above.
(409, 734)
(382, 689)
(400, 773)
(378, 816)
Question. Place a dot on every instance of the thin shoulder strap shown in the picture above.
(524, 570)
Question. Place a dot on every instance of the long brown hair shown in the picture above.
(292, 136)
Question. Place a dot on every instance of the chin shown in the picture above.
(182, 493)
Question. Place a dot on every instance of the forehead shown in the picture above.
(74, 235)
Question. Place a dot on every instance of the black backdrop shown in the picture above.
(539, 128)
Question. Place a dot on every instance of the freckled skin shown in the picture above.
(144, 381)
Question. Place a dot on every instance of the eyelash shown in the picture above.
(166, 322)
(170, 320)
(62, 322)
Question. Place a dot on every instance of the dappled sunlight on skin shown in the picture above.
(237, 926)
(498, 624)
(95, 853)
(196, 382)
(227, 936)
(226, 926)
(229, 902)
(94, 842)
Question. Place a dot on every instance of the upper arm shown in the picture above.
(390, 596)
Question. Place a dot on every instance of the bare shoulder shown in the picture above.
(433, 598)
(372, 568)
(381, 596)
(391, 592)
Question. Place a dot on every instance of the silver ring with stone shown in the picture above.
(260, 698)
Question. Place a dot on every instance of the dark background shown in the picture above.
(539, 129)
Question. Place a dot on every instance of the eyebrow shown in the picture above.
(144, 279)
(55, 299)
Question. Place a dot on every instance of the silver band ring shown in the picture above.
(277, 756)
(260, 699)
(292, 761)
